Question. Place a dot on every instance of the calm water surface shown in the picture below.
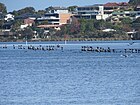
(69, 77)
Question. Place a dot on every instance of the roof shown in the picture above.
(95, 5)
(123, 4)
(111, 4)
(114, 4)
(138, 6)
(27, 15)
(108, 30)
(48, 26)
(59, 8)
(126, 12)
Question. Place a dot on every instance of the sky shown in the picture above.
(42, 4)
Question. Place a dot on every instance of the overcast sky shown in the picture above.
(42, 4)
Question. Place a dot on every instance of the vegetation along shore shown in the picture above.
(109, 21)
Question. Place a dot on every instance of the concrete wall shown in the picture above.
(64, 17)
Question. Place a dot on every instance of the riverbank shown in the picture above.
(62, 39)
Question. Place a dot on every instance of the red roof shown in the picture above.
(114, 4)
(28, 21)
(123, 4)
(111, 4)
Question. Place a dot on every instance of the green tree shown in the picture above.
(48, 9)
(99, 24)
(134, 2)
(25, 34)
(24, 10)
(3, 8)
(72, 8)
(74, 26)
(126, 21)
(16, 25)
(136, 24)
(82, 26)
(1, 24)
(126, 24)
(41, 12)
(90, 25)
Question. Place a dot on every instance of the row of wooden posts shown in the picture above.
(108, 49)
(83, 48)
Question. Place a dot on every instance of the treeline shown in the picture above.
(3, 8)
(134, 2)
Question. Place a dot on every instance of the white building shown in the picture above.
(108, 30)
(91, 12)
(23, 26)
(8, 17)
(58, 10)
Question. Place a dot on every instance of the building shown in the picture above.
(100, 11)
(55, 17)
(118, 16)
(29, 21)
(109, 8)
(6, 34)
(137, 8)
(58, 10)
(8, 17)
(90, 12)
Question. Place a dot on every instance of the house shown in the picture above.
(137, 8)
(23, 26)
(55, 17)
(118, 16)
(8, 17)
(7, 25)
(28, 18)
(108, 30)
(6, 34)
(100, 11)
(90, 12)
(57, 27)
(110, 7)
(29, 21)
(58, 10)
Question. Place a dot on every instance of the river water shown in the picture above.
(69, 76)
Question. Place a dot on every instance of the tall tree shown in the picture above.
(3, 8)
(82, 25)
(41, 12)
(1, 24)
(24, 10)
(72, 8)
(16, 25)
(75, 26)
(136, 24)
(134, 2)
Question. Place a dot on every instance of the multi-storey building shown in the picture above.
(100, 11)
(109, 8)
(118, 16)
(90, 12)
(55, 17)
